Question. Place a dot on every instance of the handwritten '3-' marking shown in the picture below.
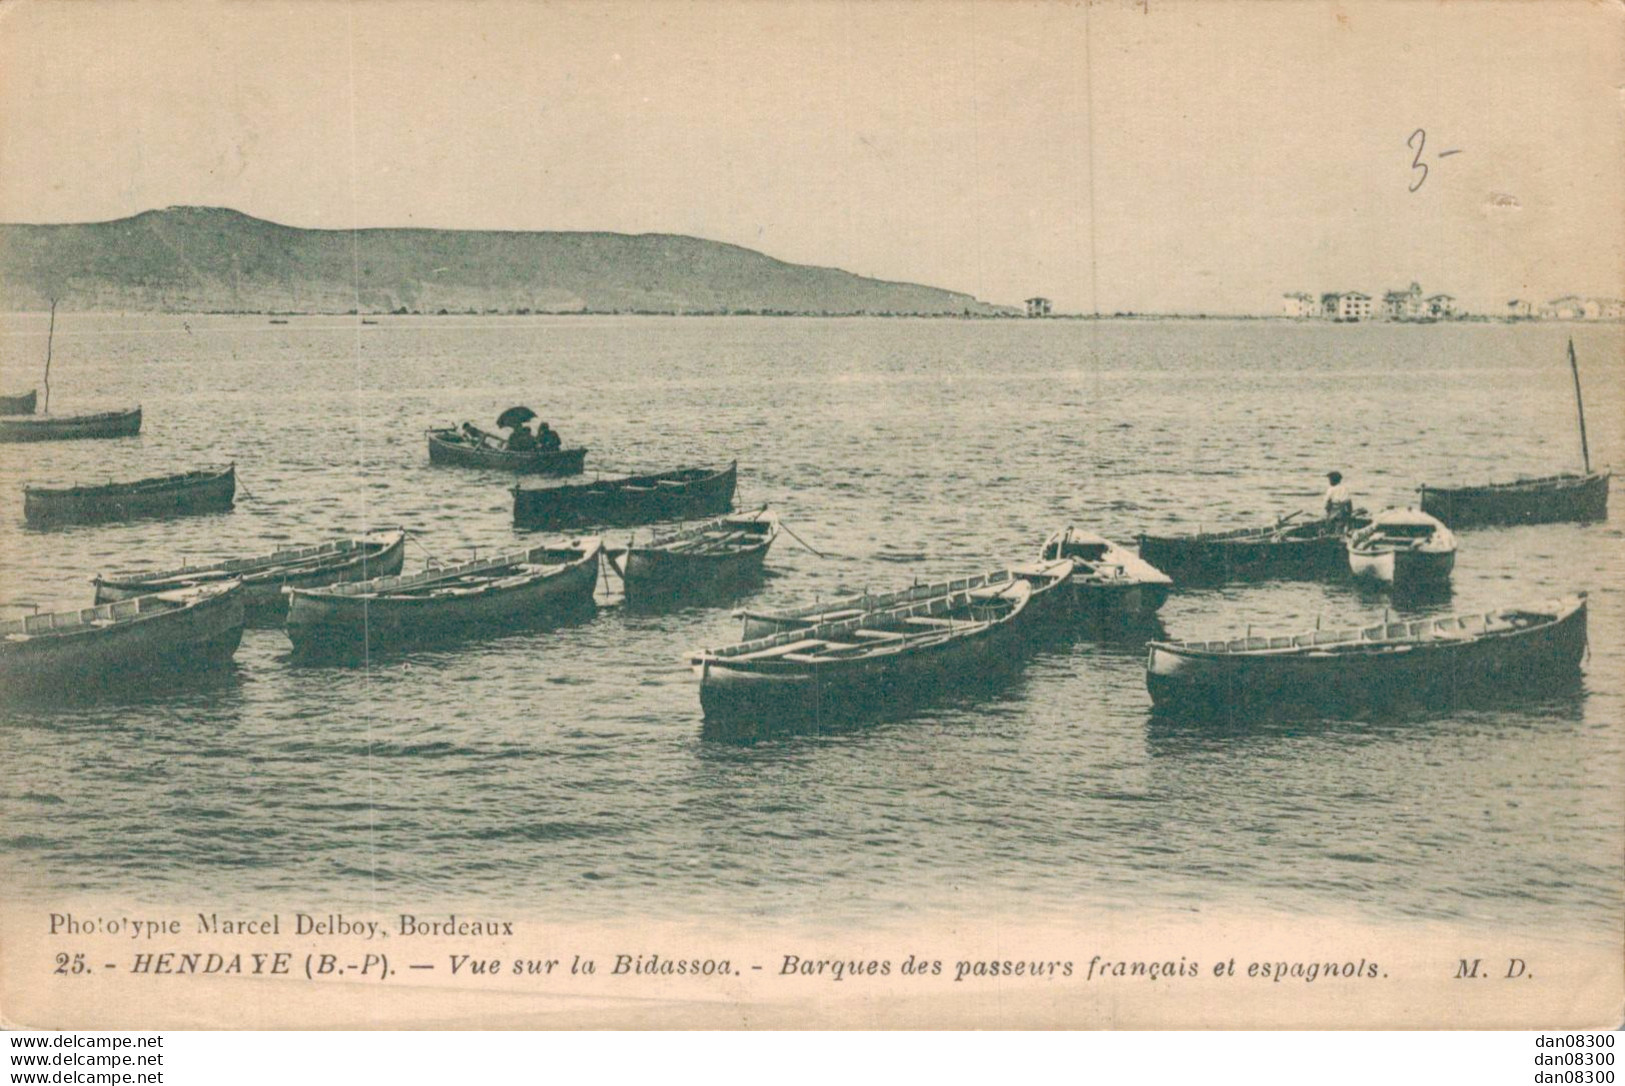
(1417, 142)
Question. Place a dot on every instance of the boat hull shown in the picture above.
(322, 624)
(678, 495)
(147, 650)
(1533, 501)
(657, 574)
(1251, 554)
(448, 451)
(1217, 683)
(1402, 569)
(107, 424)
(263, 592)
(211, 493)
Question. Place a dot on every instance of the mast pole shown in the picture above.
(1580, 407)
(50, 337)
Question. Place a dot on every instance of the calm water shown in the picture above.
(567, 771)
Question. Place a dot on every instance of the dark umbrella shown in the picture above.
(514, 416)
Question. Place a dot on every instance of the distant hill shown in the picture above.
(205, 259)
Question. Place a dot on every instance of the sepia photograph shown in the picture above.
(797, 515)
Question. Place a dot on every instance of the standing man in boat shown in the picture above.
(1339, 502)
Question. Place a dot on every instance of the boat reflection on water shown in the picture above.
(906, 702)
(1556, 699)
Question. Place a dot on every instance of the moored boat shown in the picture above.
(727, 552)
(473, 447)
(1047, 582)
(93, 424)
(626, 500)
(1289, 547)
(872, 661)
(1108, 579)
(19, 405)
(1515, 647)
(516, 590)
(1548, 499)
(142, 638)
(376, 554)
(1403, 548)
(207, 490)
(1581, 496)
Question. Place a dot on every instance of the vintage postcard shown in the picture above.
(798, 514)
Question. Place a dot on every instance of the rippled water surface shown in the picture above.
(567, 770)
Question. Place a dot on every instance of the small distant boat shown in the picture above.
(365, 320)
(207, 490)
(1106, 578)
(682, 494)
(511, 591)
(866, 662)
(376, 554)
(1289, 547)
(1047, 582)
(727, 552)
(147, 637)
(473, 447)
(1581, 496)
(1403, 548)
(96, 424)
(278, 320)
(1515, 647)
(19, 405)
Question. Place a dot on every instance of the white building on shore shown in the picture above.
(1299, 305)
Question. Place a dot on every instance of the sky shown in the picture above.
(1153, 157)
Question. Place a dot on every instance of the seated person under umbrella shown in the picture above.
(514, 419)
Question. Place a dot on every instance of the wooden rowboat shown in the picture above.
(473, 447)
(122, 423)
(682, 494)
(1581, 496)
(1515, 647)
(721, 554)
(147, 637)
(874, 660)
(19, 405)
(1047, 581)
(1108, 579)
(1288, 548)
(1551, 498)
(376, 554)
(1404, 548)
(208, 490)
(517, 590)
